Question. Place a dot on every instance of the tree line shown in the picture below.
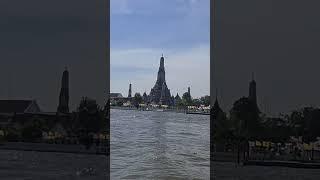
(184, 101)
(88, 118)
(246, 122)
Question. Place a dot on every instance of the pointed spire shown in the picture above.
(130, 91)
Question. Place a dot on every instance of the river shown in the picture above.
(31, 165)
(159, 145)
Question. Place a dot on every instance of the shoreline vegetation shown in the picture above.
(248, 136)
(245, 135)
(56, 148)
(85, 130)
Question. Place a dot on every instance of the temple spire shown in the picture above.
(64, 93)
(160, 92)
(130, 91)
(253, 91)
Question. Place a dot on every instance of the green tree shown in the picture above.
(137, 99)
(246, 119)
(178, 101)
(90, 119)
(186, 99)
(205, 100)
(196, 102)
(305, 123)
(246, 124)
(220, 126)
(276, 129)
(12, 134)
(119, 103)
(90, 116)
(32, 130)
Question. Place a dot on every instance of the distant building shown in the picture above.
(18, 106)
(117, 98)
(116, 95)
(9, 109)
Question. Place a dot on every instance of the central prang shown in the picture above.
(160, 94)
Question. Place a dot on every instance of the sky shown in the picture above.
(38, 39)
(277, 40)
(143, 30)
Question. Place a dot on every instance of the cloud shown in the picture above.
(178, 29)
(184, 67)
(120, 7)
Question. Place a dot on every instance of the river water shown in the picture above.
(159, 145)
(31, 165)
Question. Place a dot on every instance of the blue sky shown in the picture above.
(141, 30)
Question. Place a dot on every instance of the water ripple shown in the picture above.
(157, 145)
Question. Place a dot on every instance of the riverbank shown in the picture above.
(291, 164)
(231, 157)
(231, 171)
(161, 110)
(59, 148)
(34, 165)
(199, 113)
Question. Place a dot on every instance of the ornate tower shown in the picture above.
(130, 91)
(160, 94)
(64, 93)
